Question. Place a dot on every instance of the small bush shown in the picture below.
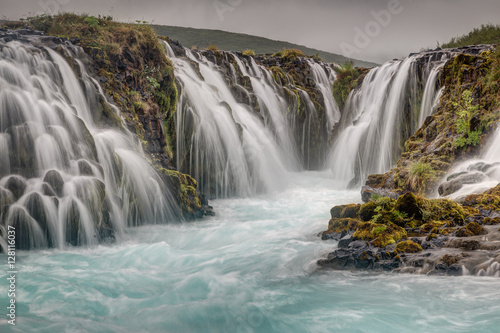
(212, 47)
(466, 111)
(249, 53)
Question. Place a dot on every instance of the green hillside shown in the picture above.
(229, 41)
(487, 34)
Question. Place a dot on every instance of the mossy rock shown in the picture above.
(185, 190)
(442, 210)
(335, 211)
(484, 201)
(475, 228)
(471, 229)
(338, 225)
(491, 221)
(367, 211)
(407, 203)
(381, 235)
(350, 211)
(428, 227)
(408, 246)
(448, 260)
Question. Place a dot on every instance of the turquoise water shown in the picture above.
(249, 269)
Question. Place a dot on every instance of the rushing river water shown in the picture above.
(251, 268)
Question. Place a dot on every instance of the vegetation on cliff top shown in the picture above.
(486, 34)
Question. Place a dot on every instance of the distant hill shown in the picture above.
(230, 41)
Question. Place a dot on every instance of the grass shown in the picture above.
(289, 54)
(230, 41)
(420, 174)
(346, 81)
(486, 34)
(248, 52)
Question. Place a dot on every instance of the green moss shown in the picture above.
(408, 246)
(338, 225)
(350, 211)
(408, 204)
(367, 211)
(335, 211)
(381, 235)
(345, 82)
(185, 187)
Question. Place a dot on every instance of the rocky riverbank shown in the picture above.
(398, 229)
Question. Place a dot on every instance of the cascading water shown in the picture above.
(64, 179)
(475, 175)
(236, 128)
(381, 114)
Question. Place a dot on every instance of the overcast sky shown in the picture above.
(373, 30)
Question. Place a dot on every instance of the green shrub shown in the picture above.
(487, 34)
(466, 111)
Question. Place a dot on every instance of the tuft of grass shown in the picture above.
(419, 174)
(486, 34)
(248, 53)
(289, 54)
(212, 47)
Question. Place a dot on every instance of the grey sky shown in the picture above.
(322, 24)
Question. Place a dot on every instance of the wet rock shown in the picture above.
(367, 192)
(85, 168)
(345, 241)
(458, 181)
(408, 246)
(16, 185)
(55, 180)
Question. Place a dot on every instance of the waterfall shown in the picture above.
(475, 175)
(389, 106)
(63, 178)
(239, 131)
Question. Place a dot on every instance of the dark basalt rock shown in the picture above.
(16, 185)
(55, 180)
(360, 255)
(367, 192)
(458, 180)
